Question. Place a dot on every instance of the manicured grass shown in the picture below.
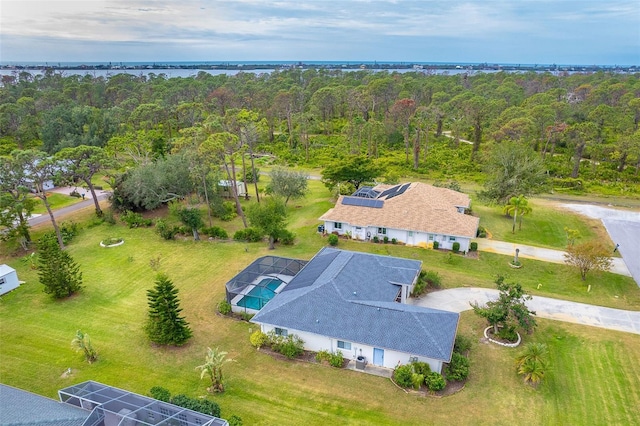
(543, 227)
(36, 333)
(56, 201)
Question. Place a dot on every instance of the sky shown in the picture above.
(578, 32)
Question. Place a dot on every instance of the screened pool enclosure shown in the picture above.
(256, 285)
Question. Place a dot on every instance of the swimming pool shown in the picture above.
(258, 296)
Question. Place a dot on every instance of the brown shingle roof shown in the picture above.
(422, 208)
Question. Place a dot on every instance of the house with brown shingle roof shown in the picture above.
(414, 213)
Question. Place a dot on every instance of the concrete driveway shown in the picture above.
(458, 299)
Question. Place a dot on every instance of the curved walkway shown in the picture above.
(458, 299)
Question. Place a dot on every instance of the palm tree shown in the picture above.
(82, 343)
(517, 206)
(532, 363)
(212, 368)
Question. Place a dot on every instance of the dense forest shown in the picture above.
(582, 126)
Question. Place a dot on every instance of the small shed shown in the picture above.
(8, 279)
(227, 187)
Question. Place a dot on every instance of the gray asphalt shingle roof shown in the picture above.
(350, 296)
(19, 407)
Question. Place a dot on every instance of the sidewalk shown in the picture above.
(458, 299)
(538, 253)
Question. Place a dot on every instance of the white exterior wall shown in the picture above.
(8, 279)
(401, 235)
(315, 342)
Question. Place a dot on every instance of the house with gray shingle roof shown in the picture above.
(415, 214)
(355, 302)
(19, 407)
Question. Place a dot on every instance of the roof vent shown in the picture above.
(354, 293)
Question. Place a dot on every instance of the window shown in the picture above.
(452, 238)
(281, 332)
(410, 233)
(2, 281)
(382, 231)
(344, 345)
(430, 237)
(337, 225)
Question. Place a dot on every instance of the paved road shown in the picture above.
(44, 218)
(623, 227)
(547, 255)
(458, 299)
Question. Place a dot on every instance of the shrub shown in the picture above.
(435, 382)
(336, 359)
(68, 231)
(403, 375)
(135, 220)
(376, 239)
(215, 232)
(258, 339)
(160, 393)
(462, 344)
(417, 380)
(455, 247)
(385, 239)
(292, 346)
(234, 421)
(223, 210)
(246, 316)
(250, 235)
(458, 368)
(436, 245)
(482, 232)
(108, 217)
(333, 240)
(286, 237)
(165, 231)
(323, 355)
(224, 307)
(473, 246)
(433, 279)
(394, 241)
(204, 406)
(421, 368)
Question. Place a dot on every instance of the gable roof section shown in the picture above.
(413, 207)
(6, 270)
(350, 296)
(19, 407)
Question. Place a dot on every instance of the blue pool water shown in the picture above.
(260, 294)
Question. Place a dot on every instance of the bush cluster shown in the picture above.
(250, 235)
(204, 406)
(68, 230)
(333, 240)
(426, 279)
(417, 374)
(215, 232)
(166, 231)
(435, 382)
(286, 237)
(224, 307)
(290, 346)
(135, 220)
(334, 359)
(258, 339)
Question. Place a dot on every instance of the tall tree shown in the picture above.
(581, 135)
(401, 114)
(354, 169)
(513, 169)
(83, 162)
(270, 217)
(16, 204)
(40, 171)
(288, 184)
(191, 217)
(164, 325)
(58, 272)
(517, 206)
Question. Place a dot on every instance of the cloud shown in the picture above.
(359, 29)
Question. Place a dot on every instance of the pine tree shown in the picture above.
(165, 326)
(57, 270)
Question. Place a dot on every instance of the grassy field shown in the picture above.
(56, 201)
(595, 377)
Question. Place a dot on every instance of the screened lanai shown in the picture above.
(256, 284)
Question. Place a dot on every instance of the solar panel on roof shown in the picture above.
(400, 190)
(389, 191)
(362, 202)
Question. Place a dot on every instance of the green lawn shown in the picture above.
(595, 377)
(56, 201)
(543, 227)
